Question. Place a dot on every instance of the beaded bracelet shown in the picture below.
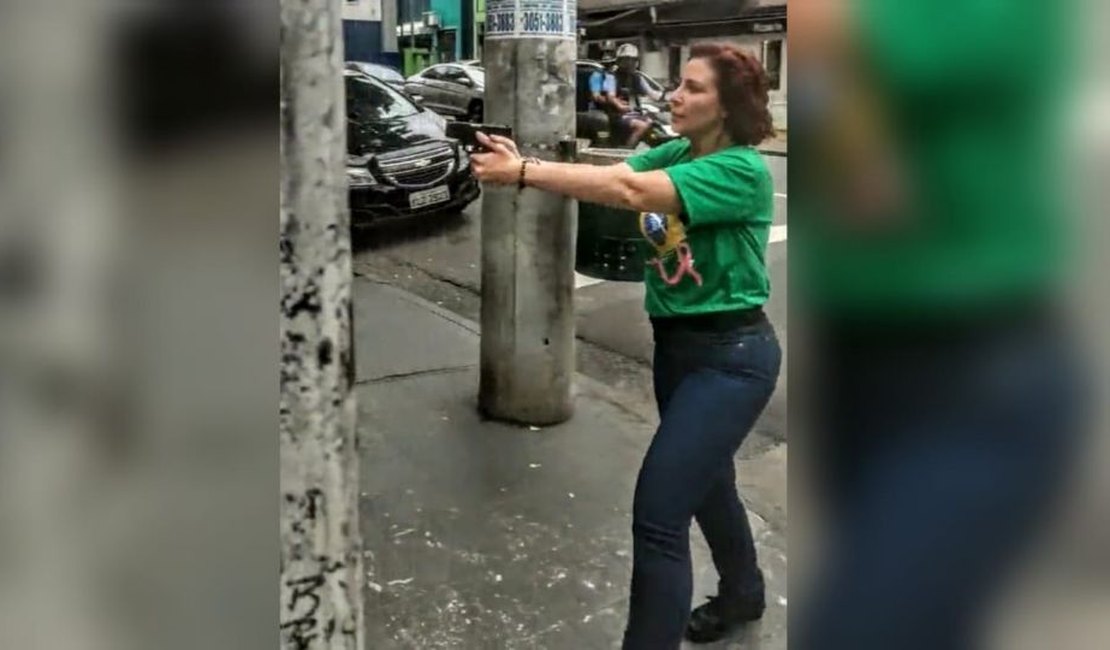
(523, 163)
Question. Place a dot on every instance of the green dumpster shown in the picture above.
(610, 245)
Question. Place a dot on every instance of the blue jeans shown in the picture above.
(710, 388)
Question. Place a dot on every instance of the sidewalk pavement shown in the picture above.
(483, 535)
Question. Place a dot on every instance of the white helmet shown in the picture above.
(628, 50)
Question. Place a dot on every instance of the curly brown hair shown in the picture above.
(743, 86)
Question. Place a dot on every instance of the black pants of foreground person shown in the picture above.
(710, 386)
(941, 452)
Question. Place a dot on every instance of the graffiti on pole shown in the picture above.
(531, 19)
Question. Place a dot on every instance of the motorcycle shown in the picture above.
(660, 130)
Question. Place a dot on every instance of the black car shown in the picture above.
(399, 160)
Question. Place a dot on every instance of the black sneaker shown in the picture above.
(714, 620)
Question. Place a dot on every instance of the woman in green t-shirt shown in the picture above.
(705, 204)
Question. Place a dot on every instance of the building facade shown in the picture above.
(369, 31)
(438, 31)
(665, 30)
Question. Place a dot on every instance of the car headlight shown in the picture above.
(464, 157)
(360, 177)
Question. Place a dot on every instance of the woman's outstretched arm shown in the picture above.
(617, 185)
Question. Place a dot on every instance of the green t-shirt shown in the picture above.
(711, 258)
(971, 111)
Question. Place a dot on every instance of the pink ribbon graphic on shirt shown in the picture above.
(685, 267)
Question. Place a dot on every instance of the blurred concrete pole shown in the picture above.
(527, 349)
(59, 263)
(321, 569)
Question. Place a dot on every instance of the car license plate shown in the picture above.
(424, 198)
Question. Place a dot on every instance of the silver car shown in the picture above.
(451, 89)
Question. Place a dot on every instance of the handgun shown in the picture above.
(466, 134)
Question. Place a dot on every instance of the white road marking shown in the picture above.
(780, 195)
(778, 233)
(581, 281)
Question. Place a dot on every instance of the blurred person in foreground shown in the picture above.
(705, 204)
(930, 246)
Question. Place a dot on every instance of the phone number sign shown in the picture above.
(531, 19)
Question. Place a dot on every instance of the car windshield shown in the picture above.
(371, 101)
(479, 76)
(384, 73)
(376, 70)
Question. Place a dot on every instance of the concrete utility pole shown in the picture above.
(321, 568)
(527, 348)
